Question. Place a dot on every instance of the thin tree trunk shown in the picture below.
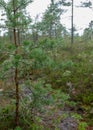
(18, 35)
(72, 31)
(16, 83)
(16, 74)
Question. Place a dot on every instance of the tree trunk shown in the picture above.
(16, 73)
(72, 30)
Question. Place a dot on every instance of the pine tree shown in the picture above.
(13, 10)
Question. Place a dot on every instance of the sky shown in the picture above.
(82, 16)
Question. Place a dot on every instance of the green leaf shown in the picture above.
(18, 128)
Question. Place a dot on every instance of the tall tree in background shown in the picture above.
(88, 32)
(35, 29)
(51, 25)
(91, 30)
(72, 26)
(51, 20)
(13, 10)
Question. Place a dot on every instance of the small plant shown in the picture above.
(82, 126)
(18, 128)
(40, 102)
(76, 116)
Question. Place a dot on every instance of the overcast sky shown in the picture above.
(82, 16)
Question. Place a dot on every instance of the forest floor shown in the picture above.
(76, 79)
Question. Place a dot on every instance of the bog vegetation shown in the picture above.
(45, 81)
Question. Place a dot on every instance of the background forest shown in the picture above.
(46, 74)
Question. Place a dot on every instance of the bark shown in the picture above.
(16, 73)
(72, 30)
